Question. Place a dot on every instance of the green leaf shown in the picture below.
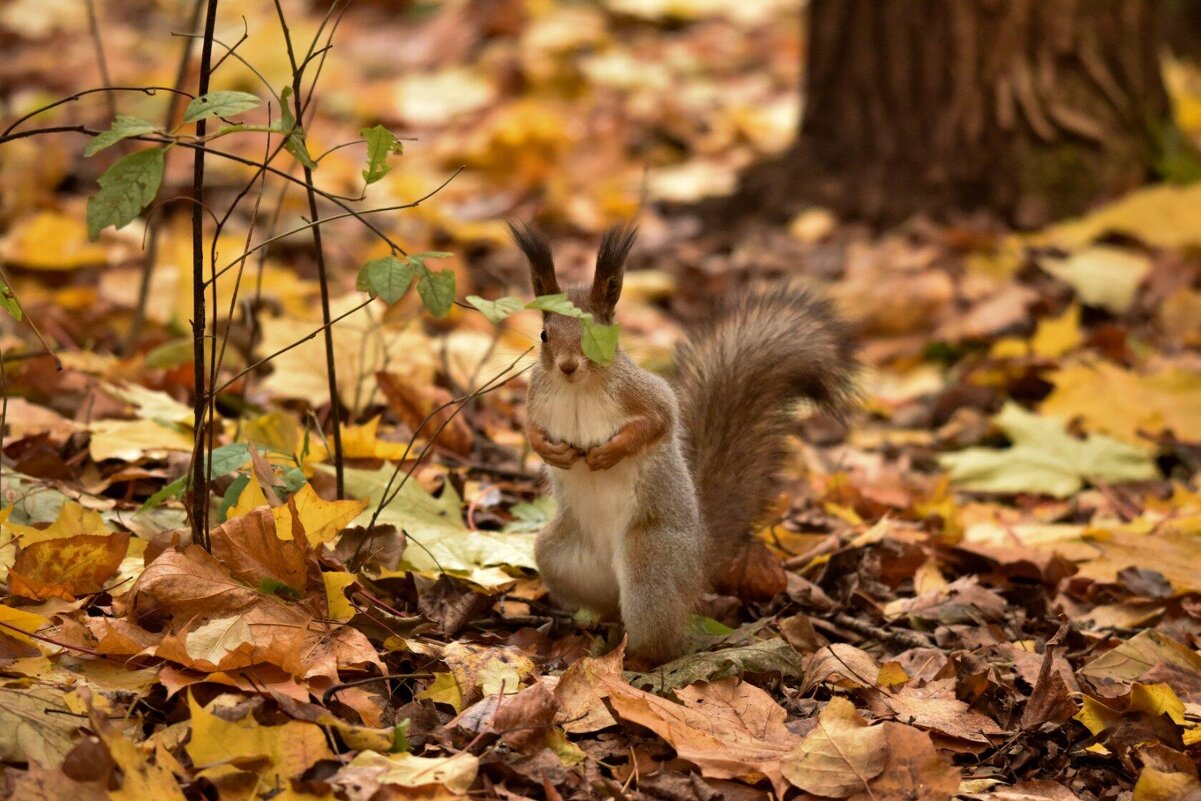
(599, 342)
(172, 490)
(701, 626)
(437, 290)
(380, 144)
(123, 127)
(557, 304)
(228, 458)
(400, 737)
(294, 479)
(388, 277)
(1045, 459)
(496, 310)
(532, 516)
(270, 585)
(219, 104)
(294, 142)
(231, 496)
(9, 302)
(127, 187)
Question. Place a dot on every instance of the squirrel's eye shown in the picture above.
(543, 334)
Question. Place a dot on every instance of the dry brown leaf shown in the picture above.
(415, 405)
(935, 707)
(842, 665)
(914, 770)
(840, 756)
(250, 550)
(579, 693)
(729, 729)
(186, 584)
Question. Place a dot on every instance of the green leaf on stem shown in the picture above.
(294, 134)
(225, 460)
(558, 304)
(388, 277)
(123, 127)
(496, 310)
(599, 342)
(437, 290)
(380, 144)
(9, 302)
(127, 187)
(219, 104)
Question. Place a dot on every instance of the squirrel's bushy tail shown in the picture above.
(739, 380)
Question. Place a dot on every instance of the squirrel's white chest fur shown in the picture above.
(600, 503)
(578, 414)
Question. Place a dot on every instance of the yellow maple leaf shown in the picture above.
(363, 442)
(291, 748)
(1121, 402)
(321, 519)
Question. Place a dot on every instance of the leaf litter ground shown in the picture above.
(989, 585)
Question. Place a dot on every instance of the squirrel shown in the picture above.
(658, 487)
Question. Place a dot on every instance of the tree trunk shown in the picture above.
(1030, 108)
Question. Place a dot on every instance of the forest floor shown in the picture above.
(992, 576)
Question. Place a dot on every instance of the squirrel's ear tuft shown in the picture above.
(610, 268)
(537, 250)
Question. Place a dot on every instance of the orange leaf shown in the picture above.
(66, 568)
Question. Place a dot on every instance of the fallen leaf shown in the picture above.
(249, 549)
(840, 756)
(369, 769)
(728, 729)
(1123, 403)
(289, 749)
(1044, 459)
(1130, 659)
(66, 568)
(1102, 275)
(766, 656)
(579, 693)
(36, 725)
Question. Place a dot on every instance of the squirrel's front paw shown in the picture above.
(602, 457)
(559, 454)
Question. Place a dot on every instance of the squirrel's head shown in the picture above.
(562, 354)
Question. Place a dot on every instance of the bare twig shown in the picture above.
(146, 90)
(322, 278)
(101, 62)
(200, 464)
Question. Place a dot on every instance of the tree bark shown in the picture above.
(1031, 108)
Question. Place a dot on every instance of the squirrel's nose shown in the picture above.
(569, 366)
